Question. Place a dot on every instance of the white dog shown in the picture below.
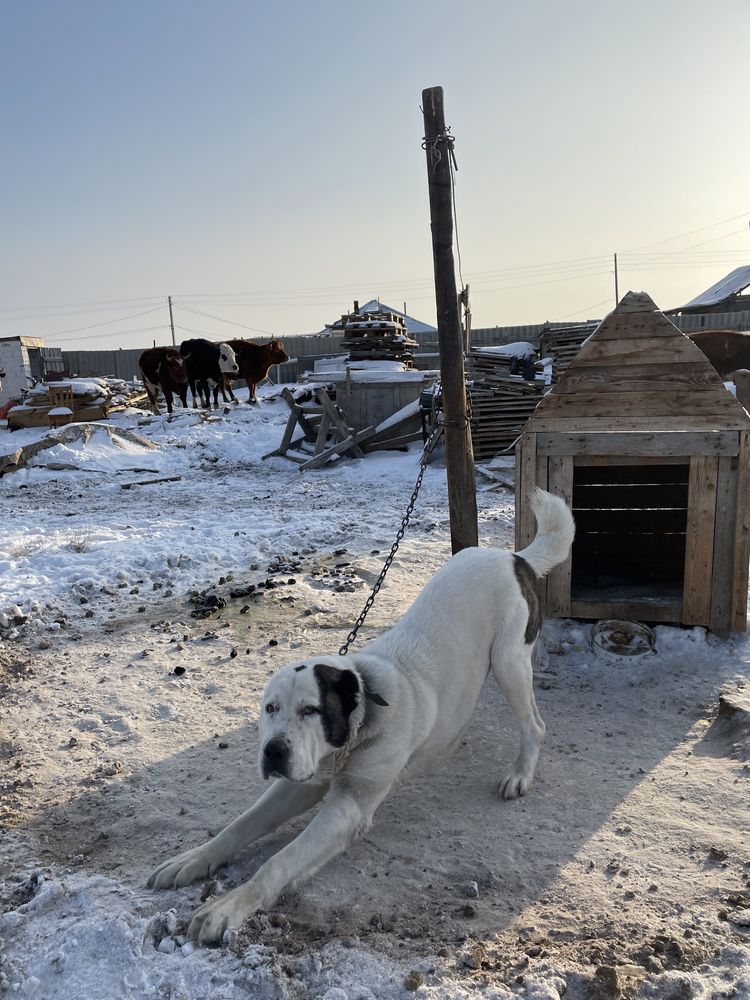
(345, 730)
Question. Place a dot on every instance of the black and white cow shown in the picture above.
(207, 364)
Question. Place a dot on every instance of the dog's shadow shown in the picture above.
(433, 836)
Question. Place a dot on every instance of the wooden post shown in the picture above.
(171, 320)
(742, 384)
(459, 460)
(617, 285)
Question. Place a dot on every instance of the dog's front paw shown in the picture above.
(192, 866)
(514, 784)
(212, 920)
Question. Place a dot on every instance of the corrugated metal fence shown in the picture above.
(739, 320)
(305, 349)
(124, 363)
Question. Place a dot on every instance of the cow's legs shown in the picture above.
(194, 392)
(152, 391)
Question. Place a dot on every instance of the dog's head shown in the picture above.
(309, 710)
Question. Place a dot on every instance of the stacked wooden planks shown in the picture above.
(500, 403)
(563, 345)
(86, 398)
(376, 336)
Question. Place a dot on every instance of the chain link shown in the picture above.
(426, 452)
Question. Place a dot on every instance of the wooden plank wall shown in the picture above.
(717, 552)
(525, 485)
(560, 478)
(726, 515)
(699, 545)
(741, 538)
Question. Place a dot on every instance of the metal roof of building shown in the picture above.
(736, 281)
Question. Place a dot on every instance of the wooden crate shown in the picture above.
(658, 478)
(368, 403)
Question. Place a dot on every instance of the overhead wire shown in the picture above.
(106, 304)
(118, 333)
(107, 322)
(507, 278)
(222, 319)
(691, 232)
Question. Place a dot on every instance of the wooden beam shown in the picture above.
(630, 610)
(699, 543)
(525, 484)
(459, 460)
(741, 538)
(626, 443)
(726, 515)
(686, 377)
(617, 405)
(350, 443)
(542, 481)
(735, 421)
(560, 472)
(339, 423)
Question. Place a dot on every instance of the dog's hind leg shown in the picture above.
(284, 800)
(511, 666)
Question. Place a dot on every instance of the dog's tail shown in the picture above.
(554, 533)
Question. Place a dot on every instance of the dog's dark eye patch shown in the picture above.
(339, 696)
(302, 666)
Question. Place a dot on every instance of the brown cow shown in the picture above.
(727, 350)
(255, 361)
(164, 368)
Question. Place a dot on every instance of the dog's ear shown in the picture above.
(340, 694)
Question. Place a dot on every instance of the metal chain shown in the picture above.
(427, 450)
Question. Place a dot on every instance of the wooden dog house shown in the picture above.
(652, 452)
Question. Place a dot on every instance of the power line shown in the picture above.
(116, 333)
(106, 322)
(198, 333)
(577, 312)
(742, 215)
(222, 320)
(108, 303)
(715, 238)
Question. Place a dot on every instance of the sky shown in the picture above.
(261, 162)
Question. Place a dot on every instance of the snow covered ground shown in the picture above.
(128, 732)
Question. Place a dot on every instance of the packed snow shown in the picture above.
(130, 679)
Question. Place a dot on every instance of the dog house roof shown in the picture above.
(638, 372)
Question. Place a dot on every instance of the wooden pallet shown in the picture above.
(325, 432)
(500, 403)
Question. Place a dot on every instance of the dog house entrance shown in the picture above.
(631, 523)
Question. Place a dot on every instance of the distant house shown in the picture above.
(25, 360)
(723, 305)
(414, 327)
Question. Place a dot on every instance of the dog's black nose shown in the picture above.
(275, 756)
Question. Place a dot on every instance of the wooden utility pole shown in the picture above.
(459, 460)
(171, 320)
(617, 285)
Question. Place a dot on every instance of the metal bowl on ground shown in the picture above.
(622, 643)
